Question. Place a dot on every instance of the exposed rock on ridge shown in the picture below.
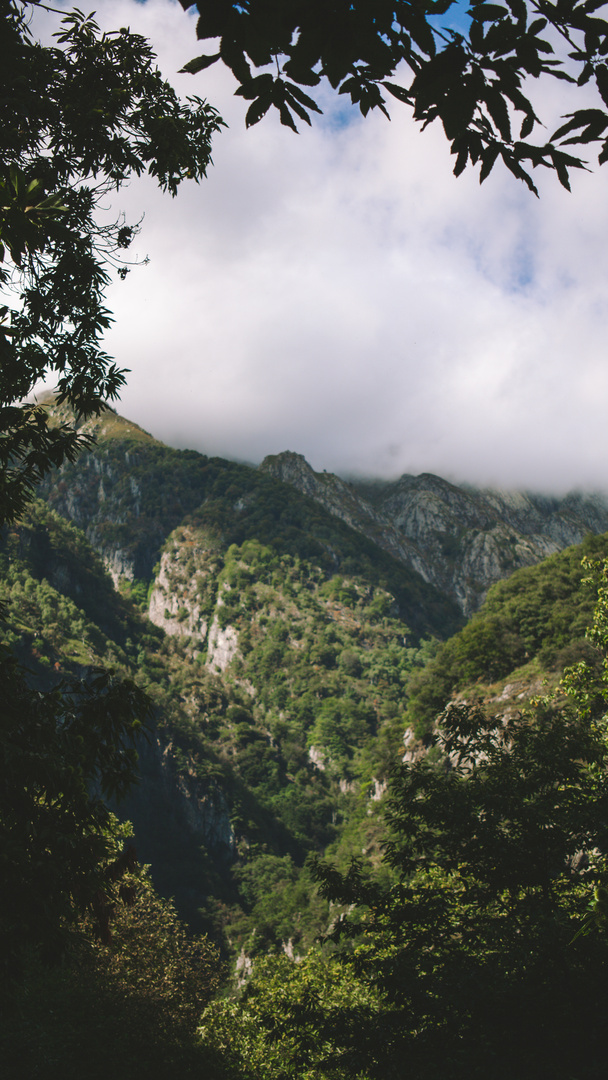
(458, 539)
(223, 646)
(171, 606)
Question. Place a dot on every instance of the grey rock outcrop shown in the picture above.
(223, 646)
(460, 539)
(173, 606)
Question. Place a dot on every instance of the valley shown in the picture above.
(288, 627)
(298, 635)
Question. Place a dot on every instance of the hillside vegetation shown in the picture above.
(277, 752)
(296, 673)
(286, 656)
(530, 627)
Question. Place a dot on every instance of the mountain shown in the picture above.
(278, 621)
(459, 539)
(275, 642)
(130, 491)
(293, 655)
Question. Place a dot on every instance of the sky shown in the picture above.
(340, 294)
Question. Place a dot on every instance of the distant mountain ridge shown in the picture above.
(132, 490)
(129, 492)
(461, 540)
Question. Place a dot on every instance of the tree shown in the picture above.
(125, 1006)
(63, 754)
(282, 1022)
(76, 121)
(485, 952)
(474, 80)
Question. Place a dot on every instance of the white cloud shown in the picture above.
(341, 294)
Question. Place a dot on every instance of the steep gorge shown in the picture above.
(282, 621)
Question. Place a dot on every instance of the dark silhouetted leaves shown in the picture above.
(472, 82)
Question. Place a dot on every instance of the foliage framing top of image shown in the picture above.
(473, 81)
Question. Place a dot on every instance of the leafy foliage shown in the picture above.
(538, 614)
(63, 754)
(77, 119)
(497, 846)
(279, 1019)
(123, 1005)
(474, 80)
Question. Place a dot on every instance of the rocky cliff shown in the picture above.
(460, 539)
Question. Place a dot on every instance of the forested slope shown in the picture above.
(530, 627)
(271, 641)
(264, 751)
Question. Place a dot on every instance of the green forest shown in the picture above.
(270, 807)
(347, 899)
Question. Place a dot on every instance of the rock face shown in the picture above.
(223, 645)
(174, 602)
(184, 601)
(130, 492)
(457, 538)
(126, 494)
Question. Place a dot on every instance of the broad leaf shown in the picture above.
(199, 64)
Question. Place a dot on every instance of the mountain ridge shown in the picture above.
(460, 539)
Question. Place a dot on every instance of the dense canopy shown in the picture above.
(474, 79)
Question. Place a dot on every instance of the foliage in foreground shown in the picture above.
(77, 119)
(62, 755)
(473, 963)
(473, 71)
(124, 1006)
(283, 1022)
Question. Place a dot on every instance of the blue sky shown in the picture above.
(340, 294)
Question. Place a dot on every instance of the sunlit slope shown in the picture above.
(530, 626)
(130, 492)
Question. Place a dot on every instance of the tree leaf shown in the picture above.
(301, 73)
(487, 12)
(601, 78)
(199, 64)
(303, 98)
(488, 159)
(286, 118)
(398, 92)
(461, 161)
(499, 112)
(258, 109)
(297, 108)
(252, 88)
